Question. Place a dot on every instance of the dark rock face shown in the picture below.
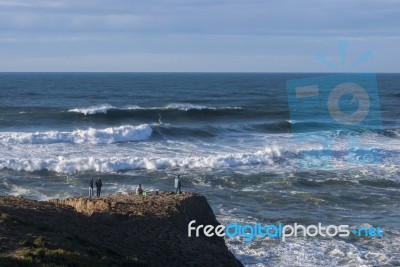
(117, 230)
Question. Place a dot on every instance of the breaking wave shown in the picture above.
(126, 133)
(105, 108)
(63, 164)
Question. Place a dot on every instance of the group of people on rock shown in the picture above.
(98, 184)
(177, 184)
(138, 191)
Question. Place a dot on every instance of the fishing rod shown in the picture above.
(185, 166)
(160, 122)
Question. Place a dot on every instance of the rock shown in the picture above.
(119, 230)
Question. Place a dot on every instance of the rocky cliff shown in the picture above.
(115, 230)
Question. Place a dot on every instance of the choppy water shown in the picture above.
(231, 136)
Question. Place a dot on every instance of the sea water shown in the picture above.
(229, 136)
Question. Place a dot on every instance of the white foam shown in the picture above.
(100, 150)
(394, 133)
(108, 162)
(110, 135)
(173, 106)
(16, 190)
(104, 108)
(101, 109)
(186, 107)
(310, 252)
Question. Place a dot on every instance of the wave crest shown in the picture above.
(126, 133)
(62, 164)
(104, 108)
(101, 109)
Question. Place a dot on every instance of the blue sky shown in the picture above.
(188, 35)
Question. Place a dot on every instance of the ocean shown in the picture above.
(230, 135)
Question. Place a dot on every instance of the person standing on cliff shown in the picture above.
(139, 190)
(178, 184)
(99, 184)
(91, 187)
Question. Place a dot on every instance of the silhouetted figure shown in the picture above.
(99, 184)
(91, 187)
(178, 184)
(139, 190)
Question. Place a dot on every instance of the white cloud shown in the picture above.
(279, 32)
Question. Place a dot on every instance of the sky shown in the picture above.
(198, 36)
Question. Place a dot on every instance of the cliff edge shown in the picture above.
(113, 230)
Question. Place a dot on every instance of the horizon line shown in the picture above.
(200, 72)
